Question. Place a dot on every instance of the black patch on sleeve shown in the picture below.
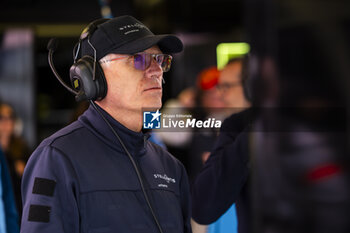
(44, 186)
(39, 213)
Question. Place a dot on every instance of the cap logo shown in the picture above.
(134, 28)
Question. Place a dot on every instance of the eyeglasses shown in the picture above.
(226, 86)
(143, 60)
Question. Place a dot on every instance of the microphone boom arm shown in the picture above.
(52, 43)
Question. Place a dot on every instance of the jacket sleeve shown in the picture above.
(185, 201)
(49, 195)
(11, 214)
(219, 183)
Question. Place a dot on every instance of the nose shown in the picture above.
(155, 68)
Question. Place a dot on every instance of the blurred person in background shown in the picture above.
(15, 149)
(208, 104)
(222, 180)
(8, 211)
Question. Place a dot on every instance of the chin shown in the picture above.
(153, 105)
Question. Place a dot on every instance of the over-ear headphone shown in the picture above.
(86, 74)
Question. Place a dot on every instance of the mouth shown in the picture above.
(152, 89)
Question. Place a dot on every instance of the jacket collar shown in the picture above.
(135, 142)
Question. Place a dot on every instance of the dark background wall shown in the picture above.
(201, 24)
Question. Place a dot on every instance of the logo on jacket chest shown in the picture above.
(164, 177)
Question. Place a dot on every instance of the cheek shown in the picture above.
(124, 89)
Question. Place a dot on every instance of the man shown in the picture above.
(222, 181)
(83, 178)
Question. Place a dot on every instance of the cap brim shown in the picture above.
(166, 43)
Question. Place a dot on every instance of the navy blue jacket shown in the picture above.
(81, 180)
(223, 179)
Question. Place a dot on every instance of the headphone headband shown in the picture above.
(91, 28)
(86, 75)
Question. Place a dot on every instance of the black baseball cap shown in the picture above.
(126, 35)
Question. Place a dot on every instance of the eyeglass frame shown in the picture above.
(154, 56)
(223, 87)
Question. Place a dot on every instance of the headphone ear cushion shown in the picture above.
(83, 79)
(100, 81)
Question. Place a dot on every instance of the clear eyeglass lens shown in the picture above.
(143, 60)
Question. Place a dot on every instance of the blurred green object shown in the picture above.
(227, 51)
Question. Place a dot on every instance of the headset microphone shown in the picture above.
(52, 46)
